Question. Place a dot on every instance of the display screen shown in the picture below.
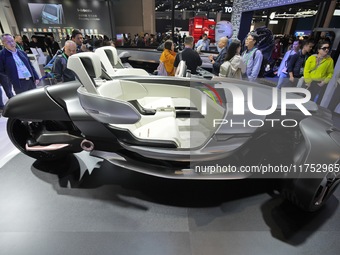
(119, 36)
(50, 9)
(302, 32)
(46, 13)
(62, 16)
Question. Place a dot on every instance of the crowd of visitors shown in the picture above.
(295, 63)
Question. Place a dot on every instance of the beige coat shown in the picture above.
(237, 67)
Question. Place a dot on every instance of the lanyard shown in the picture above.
(20, 47)
(64, 55)
(247, 55)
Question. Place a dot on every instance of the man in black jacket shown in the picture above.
(60, 70)
(296, 64)
(218, 61)
(191, 57)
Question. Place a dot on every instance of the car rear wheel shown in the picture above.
(20, 132)
(311, 194)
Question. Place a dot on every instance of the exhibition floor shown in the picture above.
(85, 206)
(45, 209)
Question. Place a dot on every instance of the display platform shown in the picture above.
(85, 206)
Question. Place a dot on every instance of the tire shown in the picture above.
(310, 194)
(18, 132)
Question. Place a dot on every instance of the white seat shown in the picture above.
(129, 71)
(159, 126)
(110, 60)
(156, 102)
(161, 129)
(122, 90)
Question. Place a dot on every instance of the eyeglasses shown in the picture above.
(324, 48)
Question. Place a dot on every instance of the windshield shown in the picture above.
(51, 9)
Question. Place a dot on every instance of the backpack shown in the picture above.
(161, 69)
(181, 70)
(51, 75)
(48, 67)
(263, 68)
(226, 70)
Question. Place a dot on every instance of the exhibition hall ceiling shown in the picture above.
(218, 5)
(192, 5)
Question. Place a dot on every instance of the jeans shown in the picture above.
(316, 91)
(282, 78)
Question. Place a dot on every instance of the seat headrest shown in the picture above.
(108, 57)
(108, 52)
(87, 60)
(87, 67)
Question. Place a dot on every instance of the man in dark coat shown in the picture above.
(60, 70)
(218, 61)
(16, 65)
(191, 57)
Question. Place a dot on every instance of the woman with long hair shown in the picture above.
(233, 65)
(168, 57)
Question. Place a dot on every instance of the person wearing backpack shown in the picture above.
(233, 66)
(59, 70)
(167, 59)
(191, 57)
(318, 71)
(252, 57)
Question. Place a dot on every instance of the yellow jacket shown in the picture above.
(323, 72)
(168, 58)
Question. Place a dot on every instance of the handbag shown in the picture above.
(161, 69)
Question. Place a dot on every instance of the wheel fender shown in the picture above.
(315, 161)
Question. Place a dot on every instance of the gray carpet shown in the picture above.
(82, 206)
